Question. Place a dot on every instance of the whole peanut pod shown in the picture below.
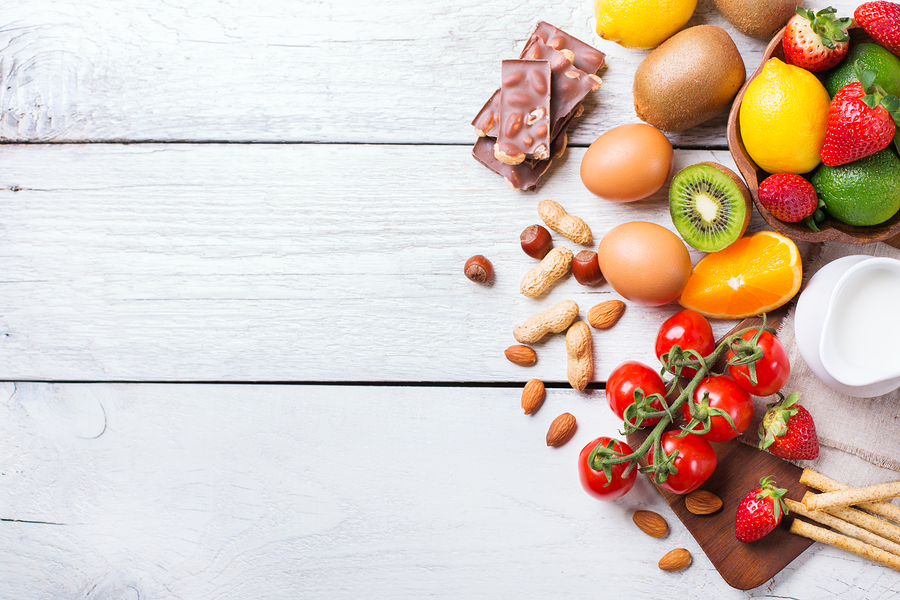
(580, 355)
(553, 320)
(557, 219)
(556, 264)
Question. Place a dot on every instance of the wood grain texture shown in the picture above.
(286, 263)
(411, 71)
(118, 491)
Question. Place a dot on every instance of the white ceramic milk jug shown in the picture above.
(861, 330)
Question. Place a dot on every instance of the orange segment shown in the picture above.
(756, 274)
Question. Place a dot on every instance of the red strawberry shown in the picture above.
(788, 197)
(759, 511)
(881, 20)
(787, 430)
(815, 41)
(861, 121)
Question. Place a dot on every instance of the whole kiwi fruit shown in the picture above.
(690, 78)
(760, 19)
(710, 206)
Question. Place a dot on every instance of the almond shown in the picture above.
(606, 314)
(702, 502)
(533, 396)
(650, 523)
(675, 560)
(561, 429)
(521, 355)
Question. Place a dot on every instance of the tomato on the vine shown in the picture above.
(772, 369)
(695, 462)
(625, 379)
(691, 331)
(725, 395)
(595, 482)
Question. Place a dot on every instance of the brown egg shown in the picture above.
(627, 163)
(644, 262)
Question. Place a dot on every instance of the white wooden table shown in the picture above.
(238, 356)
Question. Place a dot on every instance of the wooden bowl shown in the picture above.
(831, 229)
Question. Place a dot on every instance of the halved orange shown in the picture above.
(756, 274)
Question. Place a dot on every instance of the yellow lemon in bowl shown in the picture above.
(783, 118)
(641, 23)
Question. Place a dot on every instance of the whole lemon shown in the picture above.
(641, 23)
(783, 118)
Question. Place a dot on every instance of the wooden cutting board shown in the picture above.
(739, 469)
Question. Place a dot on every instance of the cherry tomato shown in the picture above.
(691, 331)
(695, 462)
(595, 482)
(772, 369)
(625, 379)
(724, 394)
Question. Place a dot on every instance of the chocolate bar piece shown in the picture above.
(586, 57)
(524, 111)
(523, 176)
(568, 84)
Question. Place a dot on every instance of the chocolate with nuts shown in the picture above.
(586, 57)
(523, 176)
(568, 85)
(524, 111)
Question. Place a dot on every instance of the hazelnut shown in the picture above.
(586, 268)
(479, 269)
(536, 241)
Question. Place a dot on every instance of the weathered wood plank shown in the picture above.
(411, 71)
(285, 263)
(224, 491)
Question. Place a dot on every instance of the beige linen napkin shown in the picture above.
(859, 438)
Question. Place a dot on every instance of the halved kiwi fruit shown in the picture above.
(710, 206)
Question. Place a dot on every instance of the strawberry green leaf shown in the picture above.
(866, 77)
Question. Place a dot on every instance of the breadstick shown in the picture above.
(854, 496)
(826, 484)
(843, 526)
(857, 547)
(866, 521)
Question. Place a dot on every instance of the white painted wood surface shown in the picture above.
(408, 71)
(334, 259)
(225, 491)
(286, 263)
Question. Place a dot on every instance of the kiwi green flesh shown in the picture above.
(707, 207)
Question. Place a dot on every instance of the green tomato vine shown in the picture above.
(674, 362)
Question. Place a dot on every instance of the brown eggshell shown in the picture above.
(627, 163)
(644, 262)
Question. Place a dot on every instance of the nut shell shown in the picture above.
(580, 355)
(536, 241)
(560, 221)
(479, 269)
(586, 268)
(556, 264)
(555, 319)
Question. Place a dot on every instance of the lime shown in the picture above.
(869, 56)
(863, 192)
(641, 23)
(783, 118)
